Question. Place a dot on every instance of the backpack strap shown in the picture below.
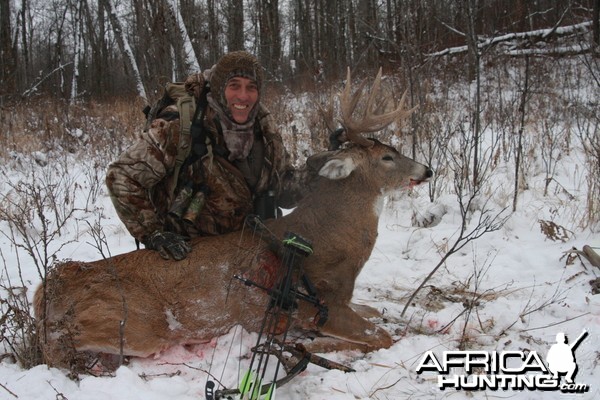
(201, 143)
(186, 105)
(191, 116)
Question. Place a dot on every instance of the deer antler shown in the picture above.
(369, 122)
(327, 112)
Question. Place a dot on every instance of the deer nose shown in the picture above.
(428, 173)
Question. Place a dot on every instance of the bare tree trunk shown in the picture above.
(235, 26)
(123, 43)
(8, 63)
(213, 31)
(471, 40)
(474, 74)
(366, 24)
(77, 39)
(98, 66)
(57, 61)
(189, 55)
(596, 23)
(519, 150)
(26, 51)
(340, 27)
(352, 34)
(333, 29)
(269, 36)
(305, 55)
(318, 34)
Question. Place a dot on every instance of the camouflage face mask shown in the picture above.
(239, 138)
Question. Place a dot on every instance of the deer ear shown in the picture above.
(316, 161)
(337, 168)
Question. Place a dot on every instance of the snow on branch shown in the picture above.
(536, 35)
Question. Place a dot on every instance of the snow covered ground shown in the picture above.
(511, 290)
(524, 290)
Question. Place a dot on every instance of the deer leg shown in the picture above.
(61, 353)
(345, 329)
(365, 311)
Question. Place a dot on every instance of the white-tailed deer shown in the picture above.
(139, 304)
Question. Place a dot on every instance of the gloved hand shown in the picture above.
(169, 245)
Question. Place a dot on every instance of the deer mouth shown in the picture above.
(415, 182)
(426, 176)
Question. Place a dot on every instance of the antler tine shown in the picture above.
(327, 113)
(348, 104)
(369, 122)
(374, 92)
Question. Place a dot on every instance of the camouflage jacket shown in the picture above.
(141, 181)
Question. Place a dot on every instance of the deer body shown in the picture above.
(139, 304)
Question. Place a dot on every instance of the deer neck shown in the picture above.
(341, 206)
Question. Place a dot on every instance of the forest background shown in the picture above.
(101, 49)
(75, 75)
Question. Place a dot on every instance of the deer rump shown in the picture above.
(139, 304)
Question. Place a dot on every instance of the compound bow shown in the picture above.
(292, 285)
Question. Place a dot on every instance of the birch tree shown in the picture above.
(191, 60)
(125, 48)
(77, 39)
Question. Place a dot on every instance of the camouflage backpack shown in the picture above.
(187, 102)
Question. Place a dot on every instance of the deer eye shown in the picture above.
(388, 158)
